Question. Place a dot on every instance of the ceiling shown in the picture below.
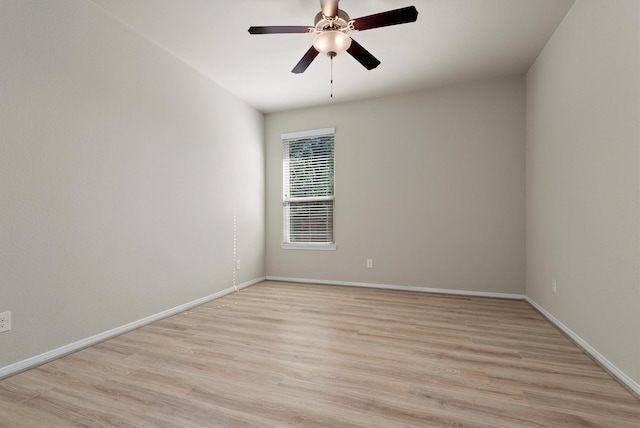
(452, 41)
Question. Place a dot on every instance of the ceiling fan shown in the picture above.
(331, 26)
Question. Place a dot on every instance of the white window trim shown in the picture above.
(306, 134)
(313, 246)
(309, 246)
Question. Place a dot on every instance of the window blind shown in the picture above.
(308, 187)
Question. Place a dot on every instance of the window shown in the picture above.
(308, 189)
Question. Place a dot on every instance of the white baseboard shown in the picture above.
(37, 360)
(621, 376)
(606, 364)
(32, 362)
(401, 287)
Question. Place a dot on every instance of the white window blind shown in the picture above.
(308, 188)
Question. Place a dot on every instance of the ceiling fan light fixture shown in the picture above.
(331, 26)
(332, 42)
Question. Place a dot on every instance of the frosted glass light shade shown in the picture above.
(332, 42)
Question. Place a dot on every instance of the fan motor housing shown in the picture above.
(340, 22)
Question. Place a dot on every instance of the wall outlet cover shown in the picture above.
(5, 321)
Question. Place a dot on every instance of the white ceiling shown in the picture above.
(452, 41)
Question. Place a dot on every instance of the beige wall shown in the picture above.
(583, 189)
(121, 171)
(429, 185)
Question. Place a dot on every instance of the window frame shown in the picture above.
(286, 200)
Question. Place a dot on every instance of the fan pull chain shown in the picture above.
(332, 76)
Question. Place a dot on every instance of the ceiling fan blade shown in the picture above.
(384, 19)
(280, 29)
(306, 60)
(362, 55)
(329, 7)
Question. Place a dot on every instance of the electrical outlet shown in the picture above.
(554, 286)
(237, 264)
(370, 263)
(5, 321)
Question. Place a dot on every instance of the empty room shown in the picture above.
(312, 213)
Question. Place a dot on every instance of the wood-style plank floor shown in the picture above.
(300, 355)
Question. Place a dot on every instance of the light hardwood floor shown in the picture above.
(290, 355)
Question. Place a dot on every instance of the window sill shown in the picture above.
(309, 246)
